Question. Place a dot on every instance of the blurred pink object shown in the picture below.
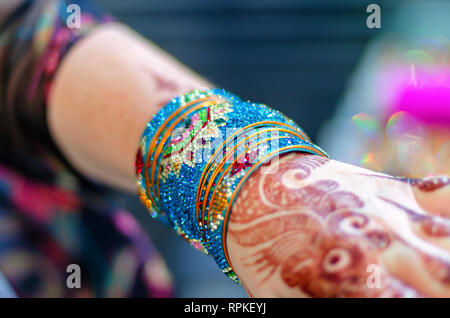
(426, 97)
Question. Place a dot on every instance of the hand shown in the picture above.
(308, 226)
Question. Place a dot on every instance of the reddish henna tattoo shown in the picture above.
(274, 189)
(435, 228)
(312, 235)
(429, 224)
(269, 259)
(266, 230)
(339, 200)
(415, 216)
(427, 184)
(438, 271)
(297, 234)
(331, 269)
(432, 183)
(326, 266)
(292, 173)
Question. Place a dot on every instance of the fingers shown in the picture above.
(422, 261)
(433, 195)
(422, 275)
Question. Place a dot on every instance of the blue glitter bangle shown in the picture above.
(198, 151)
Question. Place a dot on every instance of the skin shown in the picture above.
(114, 92)
(303, 226)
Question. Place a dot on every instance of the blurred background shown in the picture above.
(372, 97)
(293, 54)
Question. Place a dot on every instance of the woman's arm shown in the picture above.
(106, 90)
(308, 226)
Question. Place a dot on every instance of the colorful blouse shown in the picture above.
(50, 216)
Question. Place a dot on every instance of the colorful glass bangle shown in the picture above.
(195, 155)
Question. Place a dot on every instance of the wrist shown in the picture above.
(198, 152)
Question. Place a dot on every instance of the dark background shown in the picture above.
(294, 55)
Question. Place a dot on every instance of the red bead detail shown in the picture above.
(139, 162)
(237, 167)
(249, 159)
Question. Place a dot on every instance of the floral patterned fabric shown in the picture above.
(50, 216)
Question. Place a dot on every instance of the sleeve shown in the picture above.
(34, 37)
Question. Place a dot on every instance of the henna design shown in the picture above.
(341, 266)
(432, 183)
(415, 216)
(273, 187)
(312, 234)
(435, 228)
(268, 259)
(339, 200)
(430, 225)
(267, 230)
(437, 267)
(427, 184)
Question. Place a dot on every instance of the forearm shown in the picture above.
(284, 224)
(106, 90)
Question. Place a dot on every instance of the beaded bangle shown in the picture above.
(197, 152)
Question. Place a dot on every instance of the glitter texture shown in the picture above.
(196, 153)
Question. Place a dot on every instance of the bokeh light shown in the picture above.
(367, 124)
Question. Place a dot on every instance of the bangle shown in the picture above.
(198, 151)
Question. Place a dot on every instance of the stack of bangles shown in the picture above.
(196, 154)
